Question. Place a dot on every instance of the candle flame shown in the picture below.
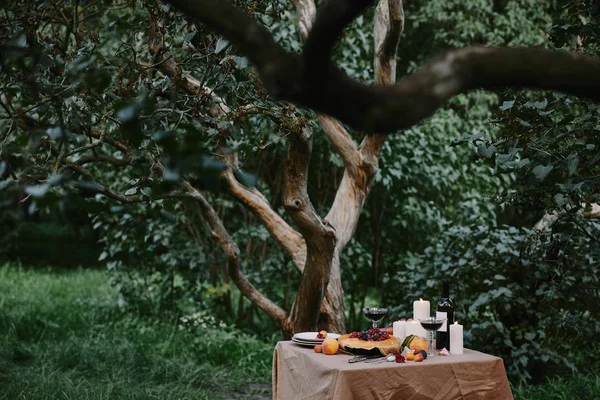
(455, 322)
(420, 299)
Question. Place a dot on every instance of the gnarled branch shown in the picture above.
(251, 198)
(386, 109)
(221, 236)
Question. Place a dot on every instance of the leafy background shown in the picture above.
(456, 197)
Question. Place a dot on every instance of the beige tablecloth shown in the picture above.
(300, 373)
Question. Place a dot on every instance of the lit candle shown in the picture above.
(400, 330)
(421, 309)
(456, 338)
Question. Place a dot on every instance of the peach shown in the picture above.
(418, 343)
(409, 356)
(318, 348)
(330, 346)
(419, 358)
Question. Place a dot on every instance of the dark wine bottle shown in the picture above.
(444, 310)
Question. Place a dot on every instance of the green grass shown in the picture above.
(62, 337)
(577, 387)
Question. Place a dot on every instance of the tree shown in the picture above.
(309, 79)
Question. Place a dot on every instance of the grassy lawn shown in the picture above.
(63, 337)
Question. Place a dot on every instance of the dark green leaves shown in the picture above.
(542, 171)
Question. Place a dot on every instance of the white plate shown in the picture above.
(312, 336)
(302, 343)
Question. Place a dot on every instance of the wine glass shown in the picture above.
(431, 324)
(375, 314)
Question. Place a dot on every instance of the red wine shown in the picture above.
(375, 315)
(444, 310)
(431, 326)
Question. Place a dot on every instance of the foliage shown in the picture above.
(81, 87)
(62, 335)
(578, 387)
(69, 346)
(527, 296)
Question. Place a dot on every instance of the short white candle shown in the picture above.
(400, 330)
(456, 338)
(415, 328)
(421, 309)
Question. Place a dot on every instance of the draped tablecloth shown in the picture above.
(300, 373)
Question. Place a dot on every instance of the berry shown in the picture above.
(399, 358)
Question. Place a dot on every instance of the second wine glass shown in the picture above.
(375, 314)
(431, 324)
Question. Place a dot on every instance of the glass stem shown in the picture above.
(430, 353)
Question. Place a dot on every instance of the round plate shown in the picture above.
(312, 336)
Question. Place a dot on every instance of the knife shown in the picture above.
(377, 359)
(357, 359)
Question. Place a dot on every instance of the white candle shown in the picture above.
(415, 328)
(400, 330)
(456, 338)
(421, 309)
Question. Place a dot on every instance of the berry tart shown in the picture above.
(373, 342)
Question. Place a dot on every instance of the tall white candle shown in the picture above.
(456, 338)
(421, 309)
(400, 330)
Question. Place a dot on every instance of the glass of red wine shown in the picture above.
(431, 324)
(375, 314)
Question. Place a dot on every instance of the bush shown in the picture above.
(527, 297)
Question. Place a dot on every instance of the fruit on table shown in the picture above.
(415, 343)
(330, 346)
(373, 342)
(409, 356)
(318, 348)
(423, 353)
(322, 335)
(419, 357)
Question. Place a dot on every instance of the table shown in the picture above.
(300, 373)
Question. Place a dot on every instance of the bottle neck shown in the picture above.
(446, 290)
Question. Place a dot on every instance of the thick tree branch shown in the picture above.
(329, 25)
(251, 198)
(221, 236)
(353, 190)
(335, 131)
(342, 142)
(306, 11)
(287, 237)
(384, 109)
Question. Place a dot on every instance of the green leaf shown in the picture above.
(222, 44)
(37, 190)
(560, 199)
(507, 105)
(541, 104)
(542, 171)
(58, 133)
